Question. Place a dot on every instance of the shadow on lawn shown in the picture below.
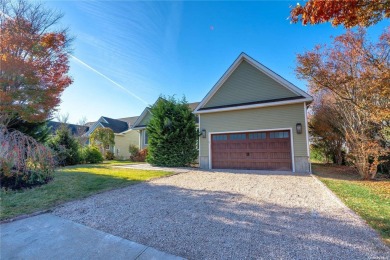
(202, 224)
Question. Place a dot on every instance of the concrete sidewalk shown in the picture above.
(50, 237)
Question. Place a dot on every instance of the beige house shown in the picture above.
(124, 134)
(254, 119)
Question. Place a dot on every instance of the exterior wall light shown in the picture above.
(299, 128)
(203, 133)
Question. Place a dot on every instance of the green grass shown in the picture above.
(369, 199)
(71, 183)
(120, 162)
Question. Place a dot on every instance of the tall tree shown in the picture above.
(349, 13)
(325, 127)
(172, 133)
(357, 74)
(34, 61)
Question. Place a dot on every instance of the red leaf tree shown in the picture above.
(33, 61)
(355, 74)
(349, 13)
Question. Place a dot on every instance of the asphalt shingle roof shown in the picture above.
(116, 125)
(74, 129)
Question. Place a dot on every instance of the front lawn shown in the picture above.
(70, 183)
(369, 199)
(120, 162)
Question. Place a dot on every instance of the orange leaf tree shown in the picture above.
(33, 61)
(349, 13)
(356, 73)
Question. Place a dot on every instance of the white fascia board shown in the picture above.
(258, 66)
(139, 119)
(94, 126)
(287, 102)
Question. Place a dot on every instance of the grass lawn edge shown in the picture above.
(351, 211)
(50, 209)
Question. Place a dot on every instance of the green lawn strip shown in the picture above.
(120, 162)
(367, 201)
(71, 183)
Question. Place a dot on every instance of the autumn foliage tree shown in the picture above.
(33, 61)
(325, 127)
(356, 73)
(349, 13)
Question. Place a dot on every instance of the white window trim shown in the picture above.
(307, 136)
(144, 135)
(249, 131)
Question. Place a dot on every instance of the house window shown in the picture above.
(257, 136)
(146, 137)
(237, 136)
(219, 137)
(279, 134)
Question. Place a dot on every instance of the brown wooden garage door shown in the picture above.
(253, 150)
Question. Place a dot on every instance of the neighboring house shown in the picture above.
(254, 119)
(124, 135)
(76, 130)
(143, 120)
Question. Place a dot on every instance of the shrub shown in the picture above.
(23, 161)
(109, 155)
(133, 150)
(66, 147)
(92, 154)
(141, 156)
(172, 134)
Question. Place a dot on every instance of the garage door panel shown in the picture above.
(261, 150)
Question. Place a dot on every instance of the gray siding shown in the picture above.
(248, 84)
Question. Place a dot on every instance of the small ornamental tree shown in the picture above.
(66, 147)
(23, 161)
(172, 134)
(102, 137)
(34, 67)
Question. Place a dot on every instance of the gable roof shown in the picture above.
(116, 125)
(74, 129)
(137, 124)
(299, 95)
(129, 120)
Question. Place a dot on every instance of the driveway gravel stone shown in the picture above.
(232, 215)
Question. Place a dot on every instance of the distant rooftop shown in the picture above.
(74, 129)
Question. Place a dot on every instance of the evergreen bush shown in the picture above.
(92, 154)
(66, 147)
(172, 134)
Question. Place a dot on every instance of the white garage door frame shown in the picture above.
(249, 131)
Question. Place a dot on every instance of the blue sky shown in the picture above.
(127, 53)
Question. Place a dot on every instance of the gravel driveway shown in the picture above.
(232, 215)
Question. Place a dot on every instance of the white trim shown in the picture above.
(307, 136)
(257, 130)
(139, 119)
(144, 134)
(139, 139)
(93, 128)
(128, 130)
(260, 67)
(287, 102)
(199, 138)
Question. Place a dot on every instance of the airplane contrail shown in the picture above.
(110, 80)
